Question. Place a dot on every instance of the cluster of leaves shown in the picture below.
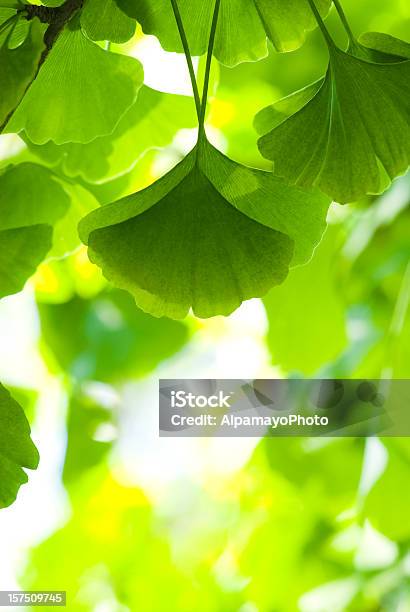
(234, 232)
(211, 233)
(300, 523)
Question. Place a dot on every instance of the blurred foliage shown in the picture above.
(108, 338)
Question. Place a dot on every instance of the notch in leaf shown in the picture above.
(81, 92)
(17, 450)
(105, 21)
(151, 122)
(354, 125)
(209, 234)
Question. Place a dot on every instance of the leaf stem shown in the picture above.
(321, 24)
(345, 22)
(188, 57)
(208, 67)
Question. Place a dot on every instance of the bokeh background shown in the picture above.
(126, 521)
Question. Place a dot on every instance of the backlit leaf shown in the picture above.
(17, 67)
(17, 450)
(65, 235)
(105, 21)
(24, 248)
(354, 130)
(151, 122)
(242, 29)
(31, 202)
(207, 236)
(81, 92)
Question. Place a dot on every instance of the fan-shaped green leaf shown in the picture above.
(381, 48)
(21, 251)
(28, 195)
(65, 235)
(81, 92)
(242, 29)
(206, 236)
(17, 67)
(355, 129)
(105, 21)
(17, 450)
(266, 199)
(30, 203)
(151, 122)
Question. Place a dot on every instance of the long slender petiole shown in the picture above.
(208, 65)
(344, 21)
(188, 57)
(321, 24)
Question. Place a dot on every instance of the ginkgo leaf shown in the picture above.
(205, 236)
(8, 15)
(355, 129)
(383, 45)
(151, 122)
(267, 199)
(30, 203)
(17, 67)
(17, 450)
(105, 21)
(21, 251)
(81, 92)
(242, 30)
